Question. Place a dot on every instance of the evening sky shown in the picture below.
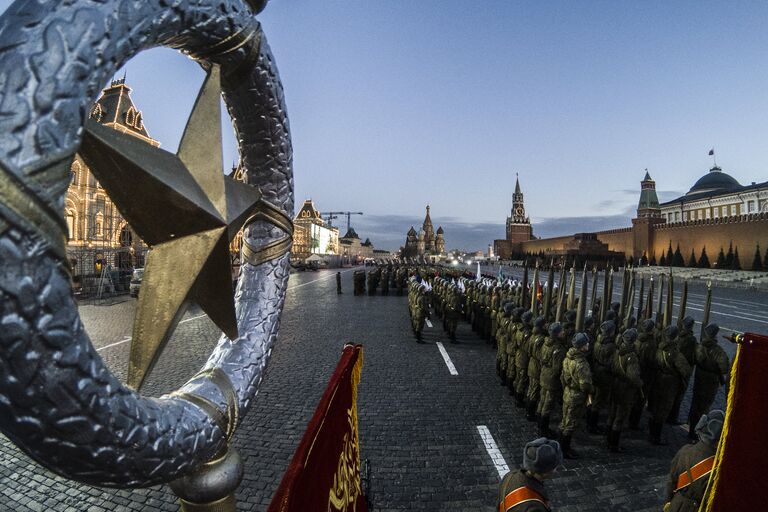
(395, 104)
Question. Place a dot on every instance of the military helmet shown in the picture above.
(542, 456)
(711, 330)
(526, 317)
(671, 332)
(630, 335)
(648, 325)
(610, 315)
(508, 308)
(615, 306)
(570, 315)
(539, 322)
(579, 340)
(710, 426)
(555, 328)
(608, 328)
(589, 321)
(632, 321)
(516, 314)
(688, 322)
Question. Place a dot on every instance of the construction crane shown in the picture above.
(334, 215)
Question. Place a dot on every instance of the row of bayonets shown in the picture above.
(566, 301)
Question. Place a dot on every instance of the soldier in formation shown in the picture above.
(614, 365)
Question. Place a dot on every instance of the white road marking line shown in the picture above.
(446, 357)
(333, 274)
(129, 338)
(429, 324)
(126, 340)
(193, 318)
(490, 446)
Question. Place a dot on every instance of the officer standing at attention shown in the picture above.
(691, 467)
(577, 390)
(338, 283)
(523, 490)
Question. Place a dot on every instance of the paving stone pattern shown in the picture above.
(418, 423)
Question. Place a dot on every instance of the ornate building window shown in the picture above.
(97, 113)
(750, 206)
(70, 217)
(733, 210)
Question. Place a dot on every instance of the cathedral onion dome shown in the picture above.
(422, 234)
(440, 230)
(715, 180)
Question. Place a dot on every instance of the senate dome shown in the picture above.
(715, 180)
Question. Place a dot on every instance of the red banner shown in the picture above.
(324, 473)
(739, 480)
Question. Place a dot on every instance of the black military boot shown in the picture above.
(565, 445)
(613, 441)
(635, 416)
(593, 416)
(544, 430)
(656, 428)
(530, 410)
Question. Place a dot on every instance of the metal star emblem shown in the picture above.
(186, 210)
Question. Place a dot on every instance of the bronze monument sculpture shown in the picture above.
(58, 401)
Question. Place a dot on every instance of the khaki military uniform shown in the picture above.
(521, 361)
(686, 343)
(673, 369)
(626, 385)
(577, 386)
(712, 369)
(552, 356)
(535, 342)
(602, 359)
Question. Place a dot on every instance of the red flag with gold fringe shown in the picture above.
(739, 479)
(324, 473)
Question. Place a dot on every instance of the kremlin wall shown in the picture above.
(738, 219)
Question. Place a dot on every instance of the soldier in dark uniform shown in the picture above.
(359, 282)
(576, 378)
(521, 358)
(645, 346)
(385, 281)
(627, 385)
(602, 358)
(535, 342)
(514, 325)
(420, 311)
(523, 490)
(712, 369)
(501, 342)
(569, 326)
(692, 465)
(338, 283)
(686, 342)
(672, 369)
(452, 311)
(372, 281)
(552, 356)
